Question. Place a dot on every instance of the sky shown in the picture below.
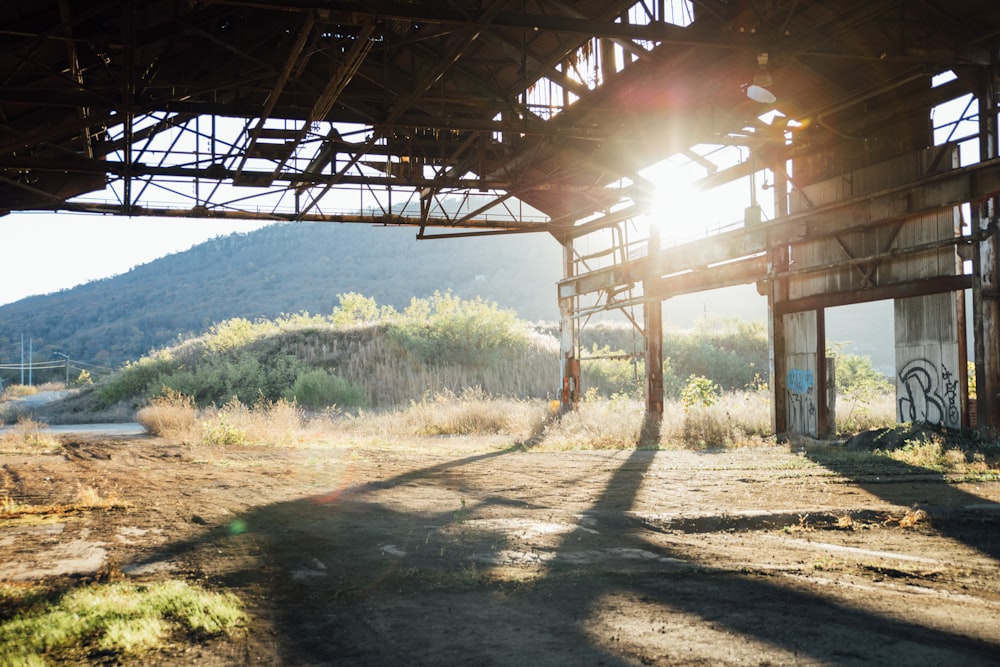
(47, 252)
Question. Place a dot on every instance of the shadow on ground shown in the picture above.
(423, 568)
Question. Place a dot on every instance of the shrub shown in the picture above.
(731, 353)
(613, 372)
(445, 329)
(319, 389)
(858, 377)
(699, 391)
(171, 415)
(865, 397)
(134, 379)
(235, 333)
(355, 308)
(220, 428)
(18, 391)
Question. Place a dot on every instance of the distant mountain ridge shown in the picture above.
(283, 268)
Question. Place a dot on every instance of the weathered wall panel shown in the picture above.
(865, 274)
(800, 378)
(927, 360)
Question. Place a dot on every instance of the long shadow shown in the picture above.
(952, 510)
(351, 581)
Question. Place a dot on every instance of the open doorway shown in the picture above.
(860, 338)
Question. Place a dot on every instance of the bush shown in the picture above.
(134, 380)
(171, 415)
(445, 329)
(856, 376)
(355, 308)
(731, 353)
(699, 391)
(320, 389)
(613, 372)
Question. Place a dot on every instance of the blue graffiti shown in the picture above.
(799, 381)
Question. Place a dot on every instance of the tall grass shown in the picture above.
(864, 411)
(175, 417)
(732, 419)
(27, 436)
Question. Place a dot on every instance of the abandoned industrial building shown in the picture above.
(843, 152)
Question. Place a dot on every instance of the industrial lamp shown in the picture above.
(758, 91)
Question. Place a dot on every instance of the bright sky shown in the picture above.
(48, 252)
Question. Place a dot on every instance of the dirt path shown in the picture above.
(444, 551)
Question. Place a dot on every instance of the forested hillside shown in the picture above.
(285, 268)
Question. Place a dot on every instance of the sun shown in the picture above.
(683, 210)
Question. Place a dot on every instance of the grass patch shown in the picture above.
(27, 436)
(936, 452)
(109, 620)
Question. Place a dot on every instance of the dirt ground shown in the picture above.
(449, 551)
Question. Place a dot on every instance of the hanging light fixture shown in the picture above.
(759, 90)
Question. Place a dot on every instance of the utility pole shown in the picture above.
(31, 360)
(66, 357)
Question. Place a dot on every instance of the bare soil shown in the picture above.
(454, 551)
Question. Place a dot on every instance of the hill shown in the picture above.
(284, 268)
(296, 267)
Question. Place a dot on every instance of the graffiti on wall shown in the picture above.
(927, 395)
(801, 400)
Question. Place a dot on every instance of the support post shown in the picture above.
(652, 316)
(986, 267)
(777, 292)
(822, 386)
(569, 364)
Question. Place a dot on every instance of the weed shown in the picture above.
(460, 514)
(27, 435)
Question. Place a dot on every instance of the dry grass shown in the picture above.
(174, 416)
(736, 419)
(264, 423)
(865, 413)
(27, 436)
(171, 415)
(470, 413)
(85, 498)
(597, 424)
